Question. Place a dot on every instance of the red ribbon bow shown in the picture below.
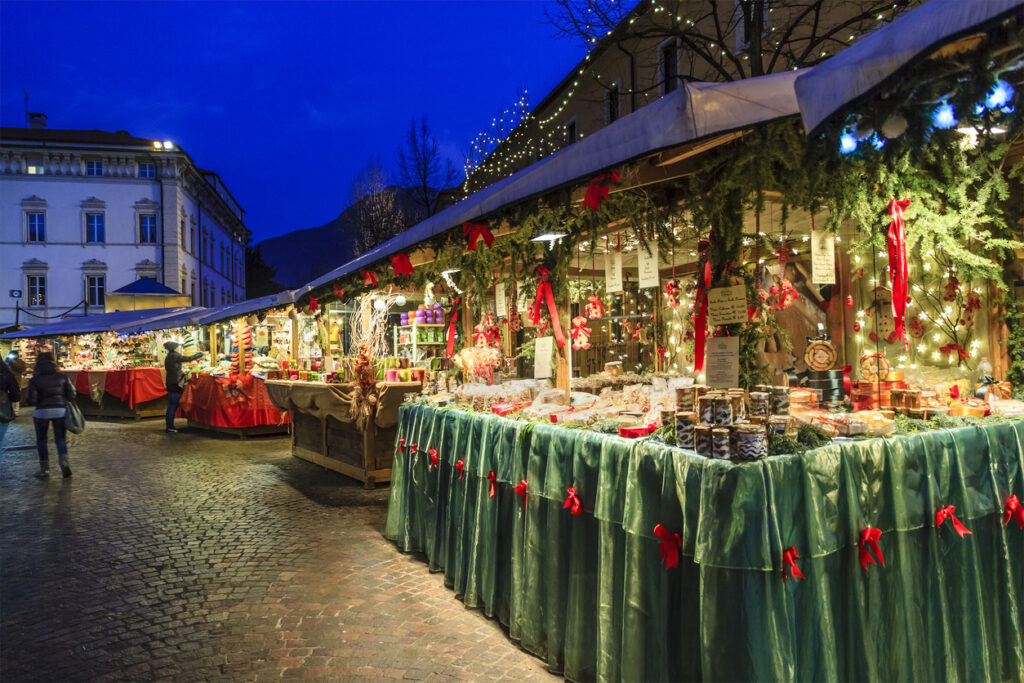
(412, 448)
(461, 467)
(670, 544)
(847, 382)
(869, 539)
(597, 190)
(339, 292)
(401, 445)
(433, 457)
(453, 317)
(313, 303)
(369, 278)
(520, 490)
(474, 232)
(700, 323)
(573, 502)
(491, 478)
(947, 512)
(546, 295)
(789, 558)
(954, 391)
(950, 348)
(1014, 511)
(899, 272)
(402, 265)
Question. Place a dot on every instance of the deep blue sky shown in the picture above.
(287, 101)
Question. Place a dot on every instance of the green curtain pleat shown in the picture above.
(590, 596)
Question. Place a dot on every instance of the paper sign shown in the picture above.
(542, 358)
(648, 266)
(500, 307)
(823, 257)
(727, 305)
(261, 337)
(722, 362)
(613, 272)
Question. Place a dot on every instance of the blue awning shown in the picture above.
(118, 321)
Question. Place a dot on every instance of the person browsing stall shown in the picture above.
(172, 365)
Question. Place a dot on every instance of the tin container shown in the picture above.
(723, 411)
(778, 401)
(685, 422)
(751, 442)
(738, 397)
(777, 424)
(759, 404)
(896, 399)
(702, 440)
(720, 438)
(668, 417)
(706, 409)
(911, 399)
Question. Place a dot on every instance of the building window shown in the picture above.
(95, 231)
(147, 229)
(94, 168)
(668, 63)
(36, 227)
(35, 168)
(192, 239)
(611, 103)
(95, 289)
(570, 131)
(36, 290)
(147, 170)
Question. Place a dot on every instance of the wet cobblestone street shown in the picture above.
(191, 557)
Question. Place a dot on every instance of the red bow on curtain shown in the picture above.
(597, 190)
(339, 292)
(520, 490)
(474, 232)
(700, 322)
(491, 478)
(433, 458)
(313, 303)
(789, 558)
(1014, 511)
(847, 382)
(402, 265)
(573, 502)
(947, 512)
(670, 544)
(869, 539)
(950, 348)
(453, 317)
(461, 467)
(545, 295)
(401, 445)
(899, 272)
(369, 278)
(412, 448)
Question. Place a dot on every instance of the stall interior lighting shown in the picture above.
(550, 238)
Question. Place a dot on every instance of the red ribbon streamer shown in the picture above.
(546, 295)
(847, 382)
(453, 317)
(401, 445)
(313, 303)
(899, 272)
(520, 490)
(369, 278)
(670, 544)
(1014, 511)
(789, 558)
(433, 458)
(700, 323)
(597, 190)
(491, 478)
(869, 539)
(573, 502)
(474, 232)
(402, 265)
(461, 467)
(947, 513)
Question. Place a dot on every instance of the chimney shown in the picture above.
(36, 119)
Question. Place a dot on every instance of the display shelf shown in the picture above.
(421, 325)
(419, 343)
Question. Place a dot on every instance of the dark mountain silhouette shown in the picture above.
(303, 255)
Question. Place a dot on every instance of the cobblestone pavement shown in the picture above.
(191, 557)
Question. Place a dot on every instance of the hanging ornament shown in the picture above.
(951, 289)
(881, 311)
(487, 333)
(916, 328)
(672, 292)
(597, 190)
(580, 333)
(474, 232)
(402, 265)
(894, 126)
(973, 304)
(594, 308)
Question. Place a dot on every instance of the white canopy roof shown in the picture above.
(867, 64)
(694, 111)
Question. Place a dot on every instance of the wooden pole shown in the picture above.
(563, 369)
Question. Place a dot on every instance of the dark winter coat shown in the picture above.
(48, 388)
(8, 384)
(172, 364)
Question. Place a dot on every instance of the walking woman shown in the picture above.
(9, 395)
(49, 391)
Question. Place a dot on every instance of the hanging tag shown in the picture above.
(727, 305)
(823, 257)
(543, 347)
(613, 273)
(648, 266)
(500, 306)
(722, 362)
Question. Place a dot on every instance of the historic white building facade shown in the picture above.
(85, 212)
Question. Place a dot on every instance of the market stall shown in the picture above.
(130, 392)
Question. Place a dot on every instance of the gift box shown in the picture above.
(633, 432)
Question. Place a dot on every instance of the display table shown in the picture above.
(136, 392)
(590, 595)
(327, 429)
(237, 405)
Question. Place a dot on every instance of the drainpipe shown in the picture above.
(202, 248)
(163, 241)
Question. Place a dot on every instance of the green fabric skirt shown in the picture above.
(590, 594)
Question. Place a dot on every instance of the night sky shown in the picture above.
(287, 101)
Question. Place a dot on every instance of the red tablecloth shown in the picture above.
(136, 385)
(229, 402)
